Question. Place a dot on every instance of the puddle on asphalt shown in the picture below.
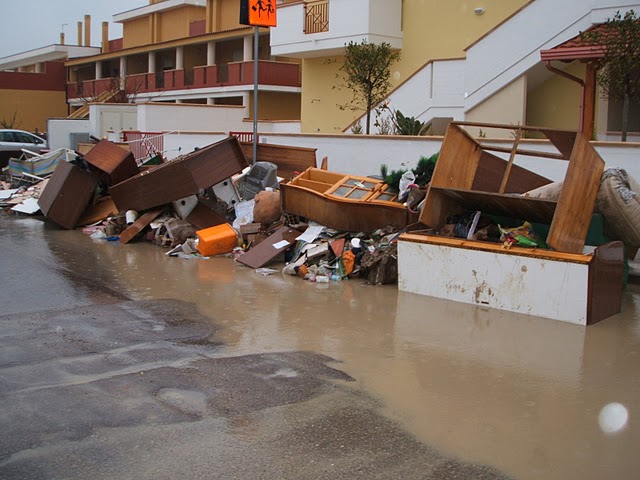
(533, 397)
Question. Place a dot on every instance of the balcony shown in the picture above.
(322, 28)
(91, 89)
(214, 76)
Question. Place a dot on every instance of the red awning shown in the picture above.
(575, 49)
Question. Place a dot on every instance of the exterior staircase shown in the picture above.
(83, 111)
(451, 88)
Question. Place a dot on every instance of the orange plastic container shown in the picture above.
(217, 240)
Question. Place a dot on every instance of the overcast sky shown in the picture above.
(29, 24)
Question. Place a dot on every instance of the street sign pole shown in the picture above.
(255, 94)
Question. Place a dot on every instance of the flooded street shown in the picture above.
(520, 394)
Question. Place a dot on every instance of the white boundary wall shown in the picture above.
(60, 129)
(363, 155)
(159, 117)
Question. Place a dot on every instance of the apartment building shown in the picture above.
(33, 85)
(188, 51)
(474, 60)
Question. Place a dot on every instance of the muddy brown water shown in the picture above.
(535, 398)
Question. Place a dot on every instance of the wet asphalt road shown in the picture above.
(94, 385)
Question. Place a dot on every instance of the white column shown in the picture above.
(98, 70)
(210, 101)
(247, 50)
(179, 58)
(152, 62)
(211, 53)
(123, 71)
(39, 68)
(246, 103)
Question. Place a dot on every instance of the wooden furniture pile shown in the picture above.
(565, 282)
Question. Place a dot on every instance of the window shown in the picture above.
(361, 188)
(6, 137)
(26, 138)
(614, 117)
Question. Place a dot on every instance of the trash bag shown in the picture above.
(523, 236)
(348, 262)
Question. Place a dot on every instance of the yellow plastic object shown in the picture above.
(217, 240)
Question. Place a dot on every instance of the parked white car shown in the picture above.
(12, 142)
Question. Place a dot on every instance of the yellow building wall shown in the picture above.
(556, 102)
(171, 25)
(229, 14)
(319, 104)
(432, 29)
(174, 24)
(276, 106)
(32, 108)
(505, 107)
(136, 32)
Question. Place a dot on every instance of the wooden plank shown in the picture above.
(114, 164)
(341, 214)
(269, 248)
(527, 128)
(315, 186)
(136, 227)
(324, 176)
(456, 168)
(589, 111)
(203, 217)
(458, 160)
(577, 199)
(288, 159)
(512, 156)
(525, 152)
(103, 209)
(491, 169)
(67, 194)
(524, 208)
(605, 282)
(180, 178)
(563, 141)
(437, 208)
(496, 247)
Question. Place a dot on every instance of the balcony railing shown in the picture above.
(316, 17)
(232, 74)
(90, 89)
(321, 28)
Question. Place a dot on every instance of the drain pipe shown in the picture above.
(579, 81)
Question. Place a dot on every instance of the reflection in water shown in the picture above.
(613, 417)
(534, 397)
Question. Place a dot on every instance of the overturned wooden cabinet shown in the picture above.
(564, 283)
(180, 178)
(344, 202)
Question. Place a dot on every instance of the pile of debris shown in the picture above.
(208, 202)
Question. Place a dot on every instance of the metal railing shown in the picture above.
(144, 145)
(316, 17)
(242, 136)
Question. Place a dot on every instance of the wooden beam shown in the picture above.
(136, 227)
(507, 171)
(529, 153)
(589, 109)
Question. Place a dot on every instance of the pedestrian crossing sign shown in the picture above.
(262, 13)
